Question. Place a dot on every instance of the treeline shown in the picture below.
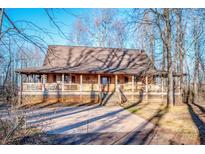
(173, 38)
(16, 51)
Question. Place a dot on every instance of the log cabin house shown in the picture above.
(79, 75)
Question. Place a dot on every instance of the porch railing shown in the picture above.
(155, 88)
(71, 87)
(94, 87)
(128, 87)
(32, 87)
(90, 87)
(52, 87)
(60, 86)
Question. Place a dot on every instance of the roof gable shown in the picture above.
(97, 60)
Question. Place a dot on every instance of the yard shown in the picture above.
(182, 124)
(138, 123)
(92, 124)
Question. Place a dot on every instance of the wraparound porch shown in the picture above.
(92, 88)
(94, 82)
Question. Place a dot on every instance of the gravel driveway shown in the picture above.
(89, 125)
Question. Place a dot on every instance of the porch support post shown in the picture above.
(62, 82)
(43, 82)
(70, 79)
(162, 84)
(81, 82)
(146, 86)
(27, 80)
(21, 90)
(179, 87)
(40, 79)
(32, 78)
(133, 83)
(99, 89)
(116, 83)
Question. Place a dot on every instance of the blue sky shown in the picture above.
(39, 17)
(64, 17)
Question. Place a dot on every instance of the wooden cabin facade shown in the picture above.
(80, 75)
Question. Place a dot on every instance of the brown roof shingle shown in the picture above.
(72, 59)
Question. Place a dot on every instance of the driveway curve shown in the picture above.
(90, 125)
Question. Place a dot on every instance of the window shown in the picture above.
(73, 79)
(126, 79)
(87, 78)
(54, 78)
(105, 80)
(66, 78)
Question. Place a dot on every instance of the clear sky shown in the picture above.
(63, 17)
(40, 18)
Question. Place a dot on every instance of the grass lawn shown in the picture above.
(174, 125)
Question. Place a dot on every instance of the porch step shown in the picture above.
(110, 99)
(114, 98)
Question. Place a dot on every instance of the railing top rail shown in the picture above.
(32, 83)
(71, 84)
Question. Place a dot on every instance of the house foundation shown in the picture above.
(94, 98)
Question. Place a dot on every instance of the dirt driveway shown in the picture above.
(89, 125)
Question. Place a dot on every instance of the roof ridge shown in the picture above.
(94, 47)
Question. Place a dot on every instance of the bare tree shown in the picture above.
(1, 18)
(167, 41)
(102, 27)
(196, 35)
(120, 34)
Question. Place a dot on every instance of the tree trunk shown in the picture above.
(169, 58)
(152, 47)
(180, 47)
(1, 19)
(196, 67)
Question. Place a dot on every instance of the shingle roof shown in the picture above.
(75, 59)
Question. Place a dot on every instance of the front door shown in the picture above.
(105, 82)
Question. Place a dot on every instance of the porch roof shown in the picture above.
(79, 70)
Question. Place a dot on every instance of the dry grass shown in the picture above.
(53, 104)
(13, 129)
(174, 123)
